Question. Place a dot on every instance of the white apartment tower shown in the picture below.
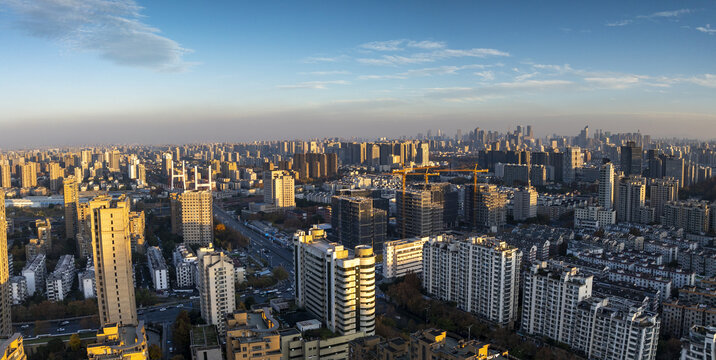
(279, 189)
(630, 199)
(524, 204)
(404, 256)
(334, 285)
(197, 217)
(216, 286)
(606, 186)
(481, 274)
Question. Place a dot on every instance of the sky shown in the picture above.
(98, 71)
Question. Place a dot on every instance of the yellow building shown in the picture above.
(435, 344)
(12, 348)
(84, 221)
(5, 302)
(111, 246)
(72, 198)
(116, 342)
(197, 216)
(252, 335)
(136, 230)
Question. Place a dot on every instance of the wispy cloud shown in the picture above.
(325, 73)
(706, 29)
(319, 85)
(427, 57)
(402, 44)
(324, 59)
(432, 71)
(621, 82)
(671, 14)
(486, 75)
(706, 80)
(113, 29)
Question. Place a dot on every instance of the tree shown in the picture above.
(178, 357)
(75, 343)
(280, 273)
(155, 352)
(181, 330)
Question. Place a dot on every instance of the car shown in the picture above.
(60, 329)
(64, 323)
(163, 309)
(25, 326)
(180, 306)
(171, 348)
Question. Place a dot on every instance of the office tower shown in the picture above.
(34, 273)
(419, 212)
(56, 175)
(136, 230)
(630, 160)
(157, 268)
(675, 168)
(516, 175)
(278, 189)
(572, 161)
(524, 204)
(59, 282)
(5, 302)
(5, 176)
(401, 257)
(606, 186)
(550, 298)
(113, 161)
(197, 217)
(112, 253)
(485, 207)
(630, 199)
(700, 344)
(28, 175)
(71, 196)
(216, 286)
(356, 222)
(185, 266)
(480, 274)
(661, 192)
(692, 216)
(335, 287)
(120, 342)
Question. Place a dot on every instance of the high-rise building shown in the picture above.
(524, 204)
(112, 253)
(700, 344)
(485, 207)
(5, 301)
(356, 222)
(175, 211)
(675, 168)
(136, 230)
(59, 283)
(606, 186)
(480, 274)
(631, 156)
(34, 273)
(401, 257)
(215, 282)
(334, 285)
(279, 189)
(12, 348)
(185, 266)
(197, 217)
(5, 176)
(71, 199)
(572, 161)
(84, 223)
(420, 212)
(692, 216)
(28, 175)
(550, 298)
(631, 195)
(56, 175)
(661, 192)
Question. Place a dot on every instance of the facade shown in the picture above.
(356, 222)
(279, 189)
(524, 204)
(85, 210)
(5, 301)
(34, 273)
(678, 316)
(630, 199)
(692, 216)
(185, 266)
(136, 230)
(215, 282)
(59, 283)
(335, 286)
(572, 161)
(419, 212)
(28, 175)
(401, 257)
(5, 176)
(516, 175)
(700, 344)
(205, 343)
(114, 342)
(661, 192)
(631, 159)
(480, 274)
(87, 283)
(56, 175)
(436, 344)
(252, 335)
(485, 207)
(12, 348)
(71, 195)
(197, 217)
(18, 289)
(114, 276)
(157, 268)
(44, 232)
(606, 186)
(594, 217)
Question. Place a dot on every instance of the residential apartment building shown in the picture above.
(5, 300)
(335, 285)
(59, 282)
(71, 195)
(279, 189)
(215, 282)
(700, 344)
(404, 256)
(692, 216)
(606, 186)
(34, 273)
(136, 230)
(594, 217)
(197, 217)
(524, 204)
(115, 342)
(87, 283)
(185, 266)
(18, 289)
(631, 196)
(419, 212)
(356, 222)
(485, 207)
(157, 268)
(480, 274)
(661, 192)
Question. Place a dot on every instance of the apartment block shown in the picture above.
(18, 289)
(419, 212)
(71, 199)
(401, 257)
(700, 344)
(215, 282)
(356, 222)
(59, 282)
(279, 189)
(5, 301)
(115, 342)
(185, 266)
(157, 268)
(34, 273)
(524, 204)
(692, 216)
(485, 207)
(197, 217)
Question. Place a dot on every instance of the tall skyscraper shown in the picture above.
(572, 161)
(524, 204)
(630, 196)
(661, 192)
(356, 222)
(279, 189)
(630, 160)
(56, 175)
(216, 286)
(84, 223)
(5, 301)
(28, 175)
(112, 248)
(419, 212)
(606, 186)
(197, 217)
(480, 274)
(71, 199)
(5, 176)
(337, 288)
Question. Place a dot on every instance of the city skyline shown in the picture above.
(139, 72)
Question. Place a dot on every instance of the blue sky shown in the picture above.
(88, 71)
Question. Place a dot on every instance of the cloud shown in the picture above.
(432, 71)
(324, 73)
(399, 45)
(427, 57)
(532, 84)
(113, 29)
(324, 59)
(706, 29)
(619, 23)
(706, 80)
(486, 75)
(621, 82)
(672, 14)
(426, 44)
(319, 85)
